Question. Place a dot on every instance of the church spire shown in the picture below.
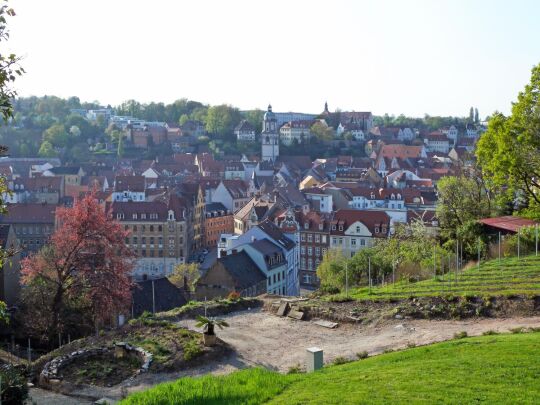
(326, 107)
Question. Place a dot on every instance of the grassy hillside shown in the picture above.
(487, 369)
(510, 276)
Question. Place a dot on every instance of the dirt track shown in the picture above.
(264, 339)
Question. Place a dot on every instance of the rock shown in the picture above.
(398, 316)
(105, 401)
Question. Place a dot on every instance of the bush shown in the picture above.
(233, 296)
(490, 332)
(296, 369)
(362, 355)
(340, 360)
(326, 289)
(14, 389)
(411, 345)
(460, 335)
(519, 329)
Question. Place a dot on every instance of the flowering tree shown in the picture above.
(86, 262)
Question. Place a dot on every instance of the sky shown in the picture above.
(411, 57)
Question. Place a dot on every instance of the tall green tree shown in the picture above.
(461, 200)
(222, 119)
(509, 151)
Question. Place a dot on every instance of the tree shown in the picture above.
(222, 119)
(56, 135)
(461, 199)
(185, 275)
(183, 119)
(322, 131)
(476, 116)
(471, 115)
(86, 262)
(75, 131)
(9, 70)
(509, 151)
(331, 271)
(46, 150)
(9, 66)
(120, 150)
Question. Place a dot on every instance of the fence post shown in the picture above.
(478, 253)
(369, 273)
(347, 279)
(519, 233)
(536, 239)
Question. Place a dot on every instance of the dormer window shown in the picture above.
(341, 227)
(306, 225)
(143, 216)
(134, 216)
(321, 227)
(120, 215)
(384, 229)
(376, 229)
(333, 227)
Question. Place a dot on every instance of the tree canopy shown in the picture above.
(509, 151)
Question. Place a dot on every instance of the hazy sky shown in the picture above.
(412, 57)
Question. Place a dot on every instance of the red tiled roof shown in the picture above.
(508, 223)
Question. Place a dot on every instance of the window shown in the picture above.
(362, 242)
(143, 241)
(317, 251)
(358, 229)
(323, 238)
(151, 228)
(376, 229)
(353, 242)
(152, 241)
(323, 251)
(171, 241)
(309, 251)
(160, 228)
(310, 264)
(317, 238)
(134, 216)
(135, 241)
(119, 215)
(303, 262)
(333, 227)
(306, 225)
(303, 237)
(341, 227)
(143, 215)
(134, 228)
(310, 237)
(334, 241)
(303, 250)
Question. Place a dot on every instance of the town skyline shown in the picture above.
(429, 59)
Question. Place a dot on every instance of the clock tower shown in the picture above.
(270, 136)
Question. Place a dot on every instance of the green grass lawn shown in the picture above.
(510, 276)
(493, 369)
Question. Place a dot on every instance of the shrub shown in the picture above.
(296, 369)
(233, 296)
(411, 345)
(326, 289)
(388, 351)
(519, 329)
(340, 360)
(339, 298)
(362, 355)
(460, 335)
(14, 389)
(490, 332)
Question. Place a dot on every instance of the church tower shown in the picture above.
(270, 136)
